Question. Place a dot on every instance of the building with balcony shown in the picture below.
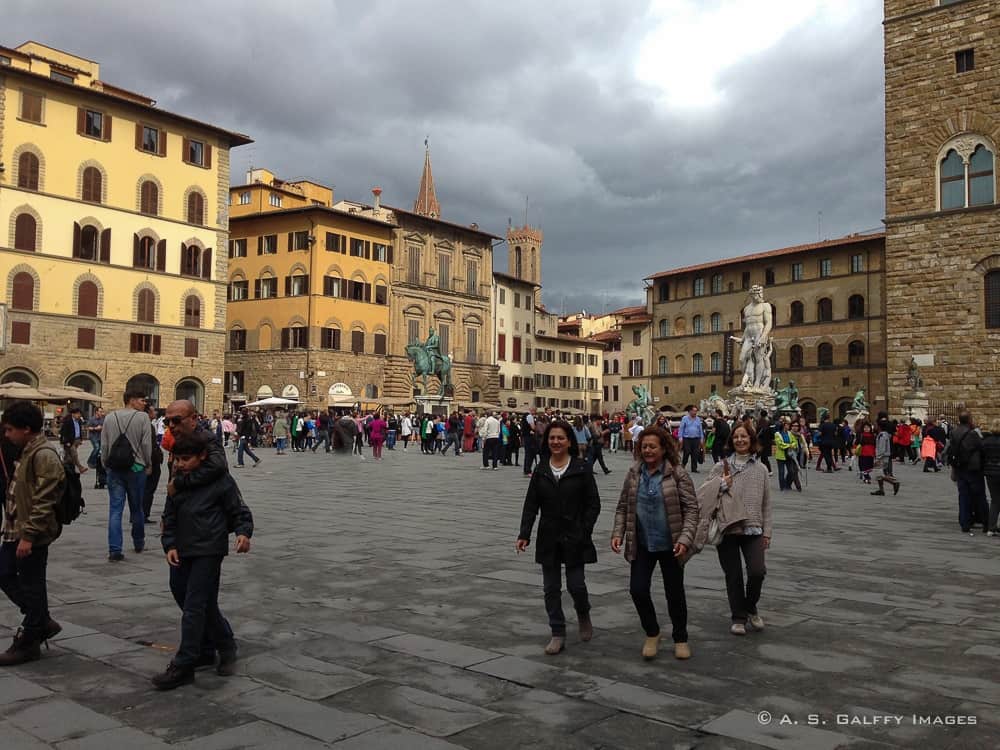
(942, 244)
(309, 289)
(117, 214)
(828, 315)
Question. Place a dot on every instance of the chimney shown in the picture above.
(377, 192)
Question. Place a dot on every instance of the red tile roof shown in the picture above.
(852, 239)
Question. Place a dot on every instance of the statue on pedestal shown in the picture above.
(428, 360)
(642, 405)
(755, 343)
(913, 378)
(786, 399)
(860, 405)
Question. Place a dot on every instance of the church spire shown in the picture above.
(426, 203)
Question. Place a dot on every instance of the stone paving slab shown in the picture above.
(376, 610)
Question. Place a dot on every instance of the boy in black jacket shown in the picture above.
(196, 525)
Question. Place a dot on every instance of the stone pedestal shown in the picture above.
(440, 407)
(916, 405)
(754, 400)
(853, 415)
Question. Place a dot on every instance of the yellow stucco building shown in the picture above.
(116, 218)
(308, 295)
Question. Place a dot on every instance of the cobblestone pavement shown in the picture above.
(383, 606)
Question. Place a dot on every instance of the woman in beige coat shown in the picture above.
(746, 488)
(656, 519)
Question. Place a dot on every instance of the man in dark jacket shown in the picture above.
(827, 442)
(30, 525)
(196, 527)
(182, 421)
(965, 456)
(70, 437)
(722, 432)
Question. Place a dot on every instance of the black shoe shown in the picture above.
(227, 663)
(21, 650)
(878, 492)
(895, 488)
(205, 660)
(608, 471)
(150, 520)
(173, 677)
(51, 629)
(139, 550)
(116, 557)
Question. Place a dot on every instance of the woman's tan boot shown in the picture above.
(650, 647)
(555, 645)
(682, 651)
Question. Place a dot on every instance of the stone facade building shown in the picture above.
(308, 296)
(117, 214)
(942, 129)
(441, 279)
(829, 325)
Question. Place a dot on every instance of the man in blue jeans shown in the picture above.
(127, 482)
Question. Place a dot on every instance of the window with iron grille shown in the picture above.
(991, 293)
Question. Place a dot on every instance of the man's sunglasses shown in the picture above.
(175, 420)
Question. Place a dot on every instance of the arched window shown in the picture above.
(196, 209)
(797, 314)
(856, 353)
(824, 310)
(716, 320)
(86, 300)
(662, 366)
(855, 306)
(192, 312)
(371, 391)
(191, 390)
(92, 184)
(795, 358)
(23, 293)
(696, 327)
(89, 238)
(981, 185)
(991, 298)
(679, 327)
(824, 355)
(664, 328)
(27, 171)
(145, 309)
(145, 253)
(716, 362)
(190, 260)
(149, 198)
(147, 384)
(717, 284)
(25, 228)
(697, 363)
(952, 181)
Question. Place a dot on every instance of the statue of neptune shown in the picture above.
(755, 350)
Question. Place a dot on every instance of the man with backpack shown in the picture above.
(127, 452)
(30, 524)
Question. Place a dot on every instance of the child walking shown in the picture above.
(196, 527)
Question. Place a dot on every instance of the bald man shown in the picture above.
(182, 420)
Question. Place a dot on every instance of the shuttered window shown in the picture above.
(380, 343)
(329, 338)
(25, 229)
(27, 171)
(20, 332)
(85, 338)
(23, 292)
(358, 342)
(92, 185)
(149, 198)
(86, 300)
(145, 311)
(190, 348)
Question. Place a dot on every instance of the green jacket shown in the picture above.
(38, 486)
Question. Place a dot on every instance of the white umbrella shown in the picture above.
(274, 401)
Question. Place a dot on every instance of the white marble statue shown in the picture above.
(756, 347)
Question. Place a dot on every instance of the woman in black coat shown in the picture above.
(565, 492)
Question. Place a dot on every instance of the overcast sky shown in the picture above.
(646, 134)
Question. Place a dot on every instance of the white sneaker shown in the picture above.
(757, 622)
(738, 628)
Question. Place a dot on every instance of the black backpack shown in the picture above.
(120, 457)
(71, 502)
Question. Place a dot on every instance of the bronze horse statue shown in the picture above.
(425, 364)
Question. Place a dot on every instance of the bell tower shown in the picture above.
(524, 253)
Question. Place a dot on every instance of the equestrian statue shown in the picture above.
(428, 360)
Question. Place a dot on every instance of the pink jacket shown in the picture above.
(376, 429)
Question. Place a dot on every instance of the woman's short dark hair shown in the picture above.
(191, 445)
(562, 424)
(23, 415)
(748, 426)
(666, 442)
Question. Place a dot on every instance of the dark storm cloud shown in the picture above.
(519, 99)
